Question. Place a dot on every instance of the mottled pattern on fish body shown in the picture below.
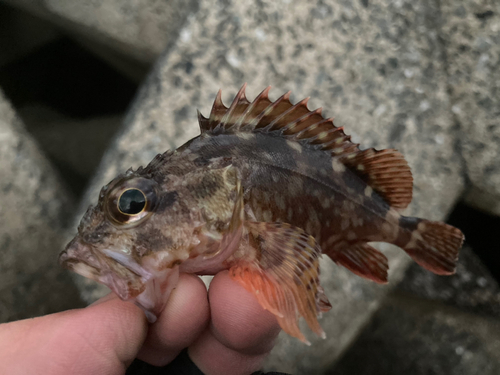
(289, 182)
(263, 191)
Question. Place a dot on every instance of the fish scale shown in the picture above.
(263, 191)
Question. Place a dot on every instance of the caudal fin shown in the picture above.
(433, 245)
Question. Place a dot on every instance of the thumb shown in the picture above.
(101, 339)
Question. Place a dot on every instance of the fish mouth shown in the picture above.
(116, 270)
(79, 257)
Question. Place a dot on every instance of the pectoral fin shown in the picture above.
(284, 275)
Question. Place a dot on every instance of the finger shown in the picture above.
(103, 338)
(238, 321)
(241, 332)
(106, 298)
(183, 320)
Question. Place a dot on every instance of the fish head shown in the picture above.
(134, 239)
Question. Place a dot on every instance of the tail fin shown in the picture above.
(433, 245)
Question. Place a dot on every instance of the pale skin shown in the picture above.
(230, 335)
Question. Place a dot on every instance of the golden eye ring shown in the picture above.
(130, 201)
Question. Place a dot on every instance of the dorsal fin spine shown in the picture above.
(252, 125)
(240, 96)
(330, 144)
(293, 124)
(302, 103)
(214, 113)
(271, 107)
(296, 122)
(299, 135)
(341, 145)
(202, 121)
(218, 104)
(323, 134)
(264, 95)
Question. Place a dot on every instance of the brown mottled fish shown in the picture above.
(263, 191)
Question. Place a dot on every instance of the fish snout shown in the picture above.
(78, 257)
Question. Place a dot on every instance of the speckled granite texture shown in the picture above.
(471, 37)
(34, 209)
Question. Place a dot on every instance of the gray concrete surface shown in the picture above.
(414, 336)
(75, 145)
(139, 29)
(471, 289)
(21, 33)
(378, 67)
(471, 38)
(433, 325)
(34, 210)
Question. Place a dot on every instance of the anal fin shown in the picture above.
(364, 261)
(283, 275)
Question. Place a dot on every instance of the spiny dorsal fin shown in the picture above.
(384, 171)
(223, 118)
(294, 121)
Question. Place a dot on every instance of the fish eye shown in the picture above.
(132, 202)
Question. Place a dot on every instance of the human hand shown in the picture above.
(230, 335)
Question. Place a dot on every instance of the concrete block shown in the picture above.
(34, 210)
(21, 34)
(416, 337)
(471, 289)
(74, 145)
(471, 38)
(140, 29)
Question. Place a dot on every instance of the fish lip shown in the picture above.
(82, 258)
(70, 263)
(73, 255)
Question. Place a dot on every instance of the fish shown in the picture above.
(264, 191)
